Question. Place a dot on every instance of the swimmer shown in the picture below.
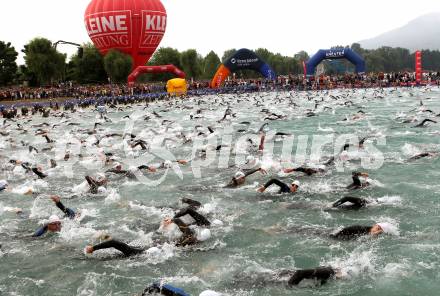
(95, 184)
(284, 188)
(357, 184)
(320, 274)
(422, 155)
(53, 225)
(240, 177)
(184, 220)
(356, 231)
(307, 171)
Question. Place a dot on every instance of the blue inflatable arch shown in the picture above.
(333, 54)
(243, 59)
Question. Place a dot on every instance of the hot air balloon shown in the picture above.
(134, 27)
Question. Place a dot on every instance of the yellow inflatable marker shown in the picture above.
(177, 87)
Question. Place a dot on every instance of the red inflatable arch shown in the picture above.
(153, 70)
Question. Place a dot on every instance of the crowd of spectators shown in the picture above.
(71, 91)
(291, 82)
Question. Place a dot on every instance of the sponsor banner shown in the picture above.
(154, 24)
(110, 29)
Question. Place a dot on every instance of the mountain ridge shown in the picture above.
(420, 33)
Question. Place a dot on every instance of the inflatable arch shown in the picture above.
(332, 54)
(153, 70)
(241, 60)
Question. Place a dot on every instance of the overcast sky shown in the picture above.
(285, 26)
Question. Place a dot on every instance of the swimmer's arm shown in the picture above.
(251, 172)
(274, 181)
(261, 146)
(200, 219)
(40, 231)
(91, 181)
(146, 167)
(68, 212)
(191, 202)
(113, 171)
(120, 246)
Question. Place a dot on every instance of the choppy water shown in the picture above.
(260, 235)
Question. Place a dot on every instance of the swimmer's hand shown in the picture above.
(89, 250)
(55, 198)
(288, 171)
(182, 162)
(261, 189)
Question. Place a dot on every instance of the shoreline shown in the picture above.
(62, 101)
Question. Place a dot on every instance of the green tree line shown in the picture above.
(44, 65)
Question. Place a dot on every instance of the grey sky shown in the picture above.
(284, 26)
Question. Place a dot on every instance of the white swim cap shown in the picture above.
(167, 163)
(210, 293)
(102, 190)
(3, 183)
(239, 175)
(54, 219)
(204, 235)
(296, 182)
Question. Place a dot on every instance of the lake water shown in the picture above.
(260, 234)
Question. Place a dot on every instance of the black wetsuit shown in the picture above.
(120, 246)
(356, 203)
(321, 273)
(284, 188)
(351, 232)
(421, 155)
